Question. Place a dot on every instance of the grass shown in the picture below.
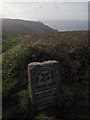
(0, 73)
(0, 59)
(0, 47)
(10, 41)
(72, 52)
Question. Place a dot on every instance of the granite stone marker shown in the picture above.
(44, 83)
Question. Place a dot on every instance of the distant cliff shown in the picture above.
(17, 26)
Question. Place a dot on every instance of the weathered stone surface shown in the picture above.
(43, 83)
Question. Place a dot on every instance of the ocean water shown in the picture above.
(67, 25)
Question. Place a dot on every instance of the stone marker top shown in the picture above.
(42, 63)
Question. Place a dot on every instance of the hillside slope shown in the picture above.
(17, 26)
(71, 50)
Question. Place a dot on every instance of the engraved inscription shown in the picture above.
(43, 78)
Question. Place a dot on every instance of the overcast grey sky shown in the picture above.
(45, 0)
(45, 10)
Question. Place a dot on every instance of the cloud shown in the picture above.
(46, 11)
(45, 0)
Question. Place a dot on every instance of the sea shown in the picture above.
(67, 25)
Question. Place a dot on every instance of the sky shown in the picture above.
(40, 11)
(45, 0)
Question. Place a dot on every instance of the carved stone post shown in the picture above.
(44, 83)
